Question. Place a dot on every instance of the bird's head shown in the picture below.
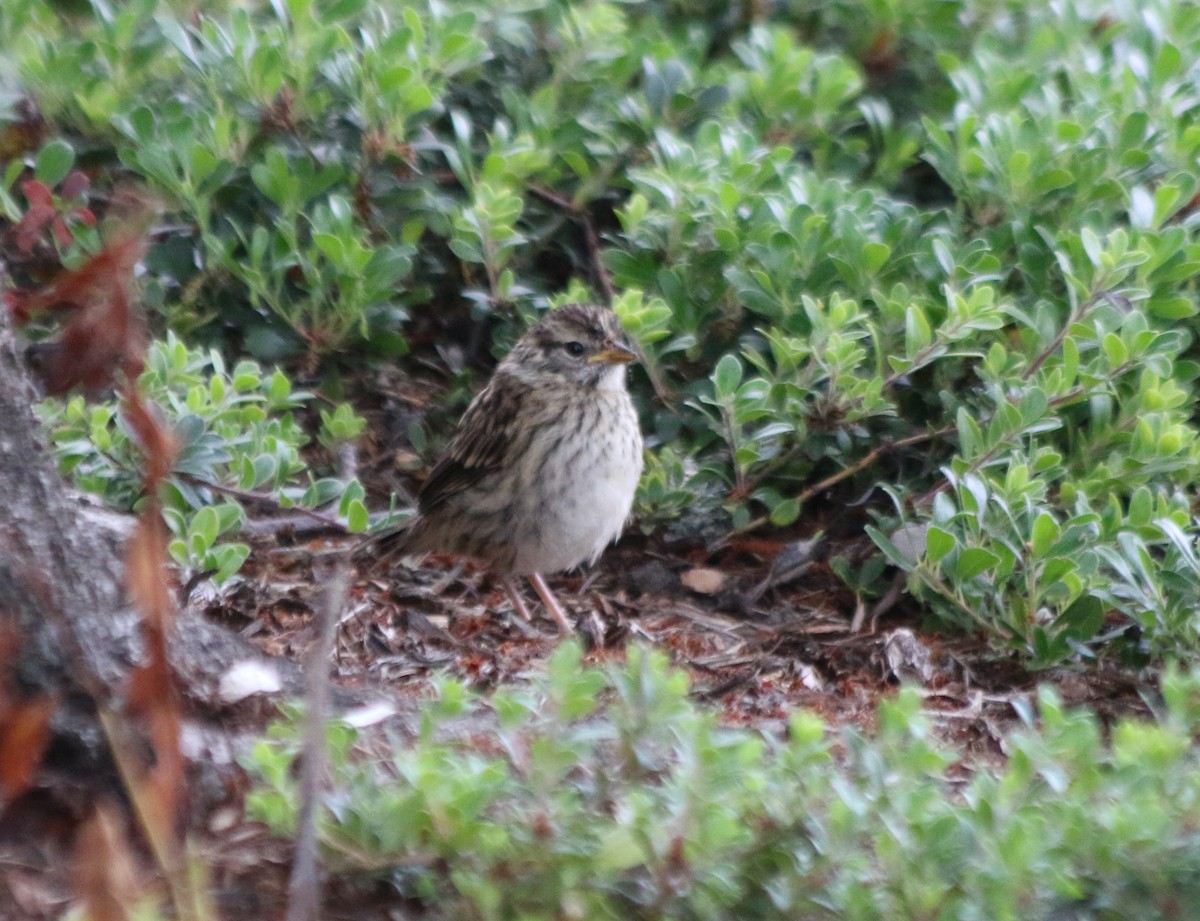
(581, 343)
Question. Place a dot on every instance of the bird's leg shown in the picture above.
(552, 605)
(514, 595)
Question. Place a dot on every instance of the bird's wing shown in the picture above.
(479, 444)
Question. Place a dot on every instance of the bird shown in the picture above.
(540, 474)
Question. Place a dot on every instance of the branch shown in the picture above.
(304, 887)
(1074, 317)
(591, 238)
(857, 467)
(872, 456)
(247, 495)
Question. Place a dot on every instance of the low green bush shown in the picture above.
(237, 438)
(940, 254)
(643, 807)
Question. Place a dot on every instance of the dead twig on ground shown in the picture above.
(247, 495)
(304, 887)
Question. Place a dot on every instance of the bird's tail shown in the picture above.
(390, 544)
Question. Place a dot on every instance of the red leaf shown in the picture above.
(105, 336)
(159, 788)
(74, 185)
(37, 193)
(17, 303)
(24, 735)
(145, 562)
(62, 233)
(29, 228)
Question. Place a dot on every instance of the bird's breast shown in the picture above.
(581, 475)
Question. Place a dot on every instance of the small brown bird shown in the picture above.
(540, 473)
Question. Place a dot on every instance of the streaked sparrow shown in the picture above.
(540, 474)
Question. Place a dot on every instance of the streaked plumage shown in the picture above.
(540, 474)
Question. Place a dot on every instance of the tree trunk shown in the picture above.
(66, 625)
(68, 630)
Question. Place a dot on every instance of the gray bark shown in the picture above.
(63, 604)
(63, 598)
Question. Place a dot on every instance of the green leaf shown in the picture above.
(228, 559)
(938, 543)
(205, 525)
(1167, 63)
(785, 513)
(917, 332)
(726, 377)
(53, 163)
(322, 491)
(1114, 350)
(973, 562)
(357, 517)
(1172, 307)
(1091, 246)
(1141, 507)
(1084, 618)
(266, 468)
(1044, 535)
(875, 257)
(895, 555)
(331, 246)
(342, 9)
(970, 435)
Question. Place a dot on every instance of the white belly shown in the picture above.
(581, 520)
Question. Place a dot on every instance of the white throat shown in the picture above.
(613, 378)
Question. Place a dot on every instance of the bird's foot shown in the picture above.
(552, 606)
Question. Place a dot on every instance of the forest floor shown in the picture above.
(761, 624)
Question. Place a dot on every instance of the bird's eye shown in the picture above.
(574, 348)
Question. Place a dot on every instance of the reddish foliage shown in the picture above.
(104, 337)
(24, 734)
(73, 187)
(103, 343)
(881, 58)
(44, 211)
(24, 727)
(41, 211)
(158, 788)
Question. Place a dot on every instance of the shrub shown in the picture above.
(237, 437)
(646, 808)
(941, 250)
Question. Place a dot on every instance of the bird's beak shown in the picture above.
(613, 353)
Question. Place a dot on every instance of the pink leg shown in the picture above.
(514, 595)
(552, 605)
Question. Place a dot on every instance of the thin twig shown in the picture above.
(861, 464)
(304, 887)
(591, 238)
(598, 266)
(983, 459)
(247, 495)
(604, 280)
(870, 458)
(553, 198)
(1074, 317)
